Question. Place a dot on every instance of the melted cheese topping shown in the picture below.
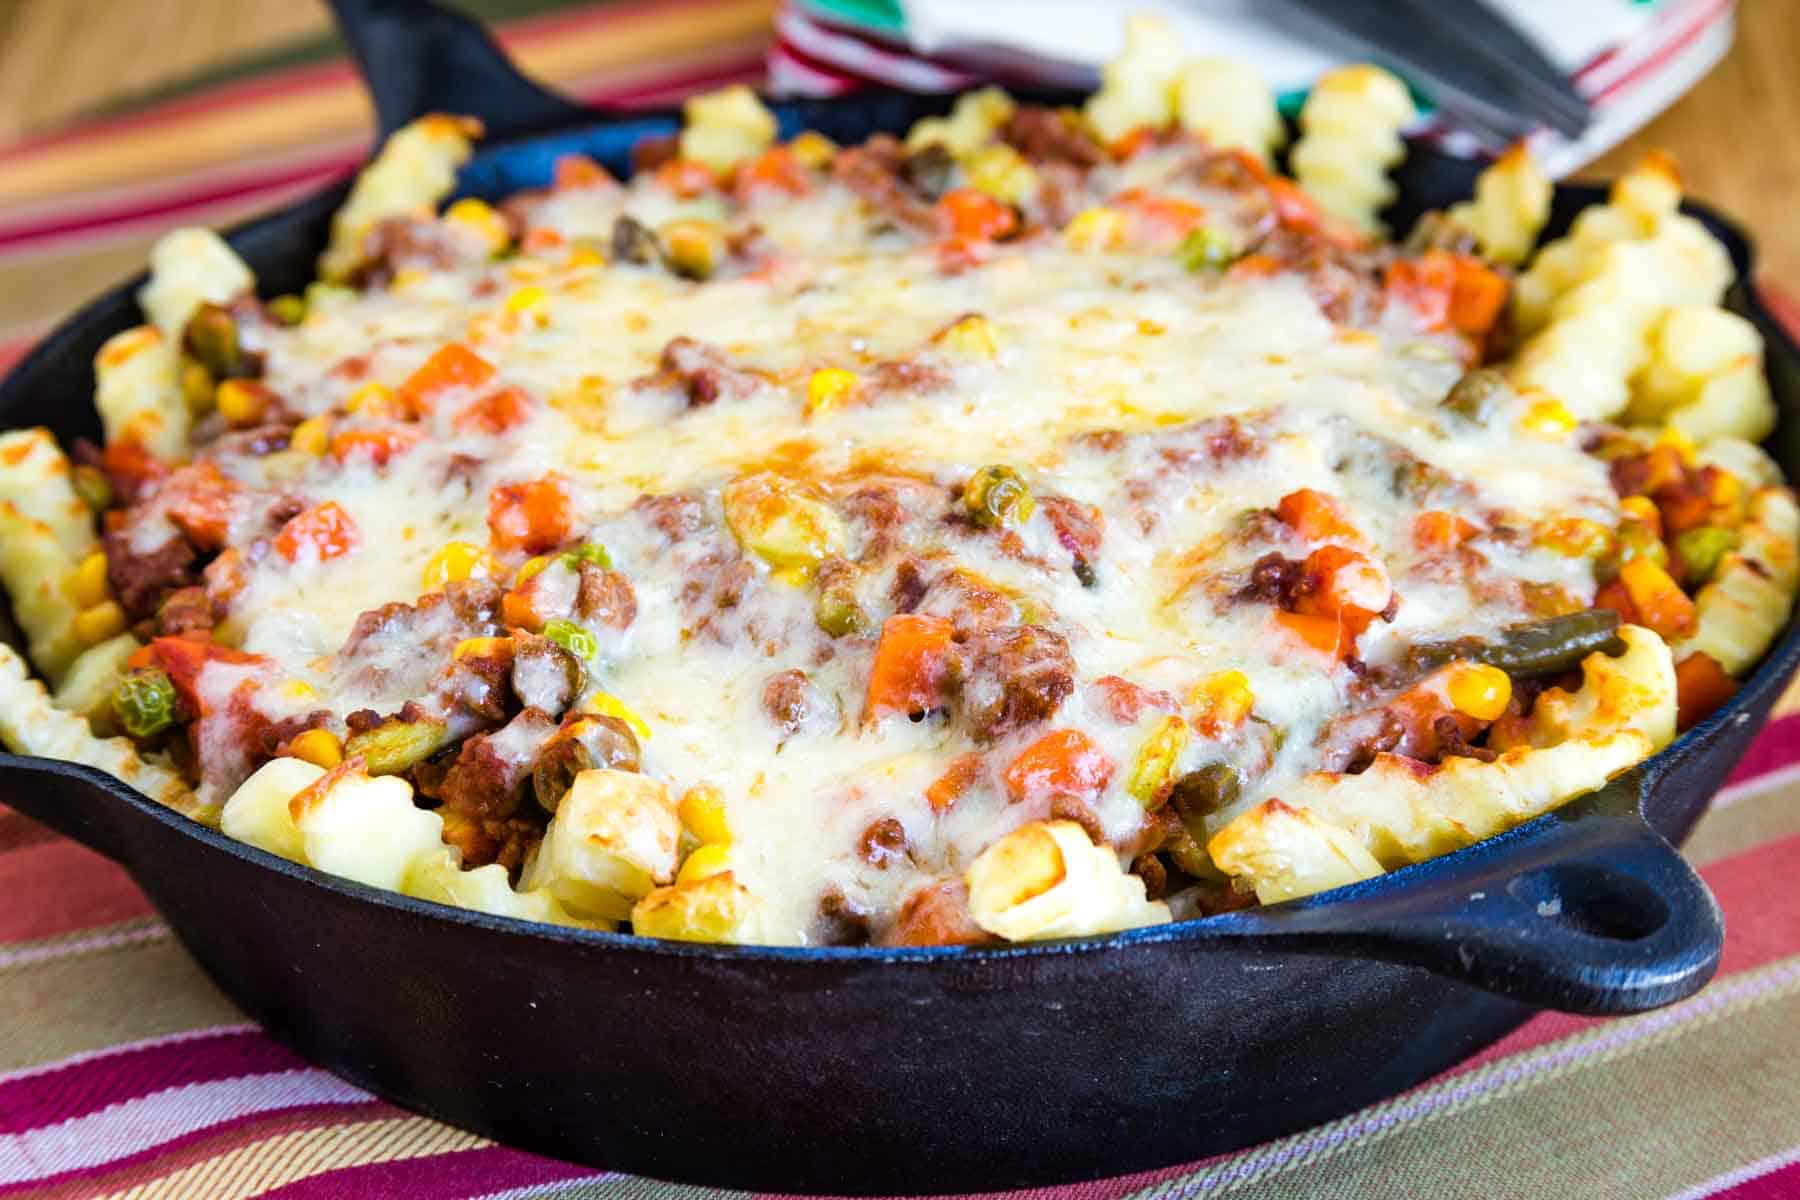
(1176, 403)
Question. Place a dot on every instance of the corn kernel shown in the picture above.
(102, 621)
(695, 248)
(972, 337)
(1095, 229)
(375, 399)
(1643, 510)
(479, 218)
(702, 812)
(1682, 443)
(299, 689)
(1548, 418)
(1002, 173)
(829, 388)
(1478, 690)
(526, 298)
(813, 150)
(532, 567)
(1224, 700)
(482, 647)
(603, 704)
(709, 859)
(87, 583)
(241, 402)
(455, 562)
(320, 747)
(1576, 537)
(582, 255)
(407, 278)
(311, 436)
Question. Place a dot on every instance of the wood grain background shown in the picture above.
(1737, 135)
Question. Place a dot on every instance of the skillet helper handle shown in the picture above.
(81, 803)
(417, 57)
(1602, 917)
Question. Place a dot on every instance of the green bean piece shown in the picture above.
(212, 337)
(289, 310)
(1532, 648)
(1203, 792)
(587, 552)
(996, 496)
(144, 703)
(1207, 248)
(1475, 394)
(395, 745)
(1702, 549)
(92, 485)
(572, 637)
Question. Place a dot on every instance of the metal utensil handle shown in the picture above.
(416, 57)
(1602, 915)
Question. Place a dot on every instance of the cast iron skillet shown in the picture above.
(869, 1070)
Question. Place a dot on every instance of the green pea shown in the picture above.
(588, 552)
(1702, 549)
(1206, 249)
(996, 496)
(144, 703)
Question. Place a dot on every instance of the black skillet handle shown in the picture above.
(1601, 916)
(416, 57)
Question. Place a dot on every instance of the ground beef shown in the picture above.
(1044, 135)
(1079, 528)
(489, 776)
(873, 172)
(882, 843)
(396, 244)
(700, 371)
(791, 701)
(904, 377)
(676, 515)
(1013, 678)
(140, 579)
(1275, 579)
(606, 597)
(185, 610)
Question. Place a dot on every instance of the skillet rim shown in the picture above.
(1780, 660)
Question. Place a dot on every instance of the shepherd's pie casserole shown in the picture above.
(1052, 522)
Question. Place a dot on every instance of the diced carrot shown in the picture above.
(775, 169)
(325, 528)
(1321, 633)
(1128, 145)
(377, 445)
(685, 177)
(1064, 762)
(1294, 209)
(911, 662)
(201, 502)
(182, 659)
(131, 468)
(1683, 508)
(494, 413)
(1659, 600)
(1344, 585)
(1438, 530)
(1126, 701)
(1701, 686)
(1476, 298)
(535, 517)
(1613, 595)
(540, 239)
(578, 171)
(1169, 218)
(975, 216)
(1315, 516)
(958, 778)
(518, 611)
(1423, 285)
(1254, 266)
(451, 366)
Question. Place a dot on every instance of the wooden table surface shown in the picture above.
(1737, 134)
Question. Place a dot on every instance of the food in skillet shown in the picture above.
(1050, 523)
